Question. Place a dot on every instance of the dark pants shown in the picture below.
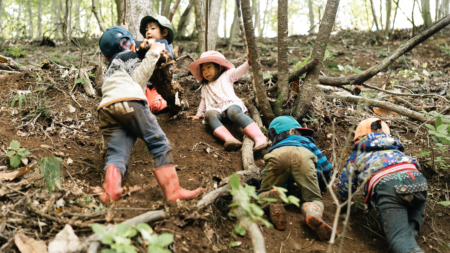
(234, 113)
(122, 123)
(402, 208)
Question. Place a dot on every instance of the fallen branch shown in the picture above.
(305, 68)
(385, 105)
(7, 63)
(404, 94)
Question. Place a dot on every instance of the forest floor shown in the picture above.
(52, 123)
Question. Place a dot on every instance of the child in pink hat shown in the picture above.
(219, 100)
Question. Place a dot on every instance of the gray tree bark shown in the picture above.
(374, 15)
(388, 17)
(303, 103)
(426, 13)
(260, 91)
(67, 33)
(185, 19)
(136, 10)
(311, 15)
(120, 9)
(39, 31)
(97, 16)
(225, 19)
(381, 14)
(283, 65)
(200, 24)
(234, 27)
(213, 26)
(173, 10)
(55, 17)
(166, 8)
(78, 14)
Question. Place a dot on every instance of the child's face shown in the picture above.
(154, 32)
(208, 71)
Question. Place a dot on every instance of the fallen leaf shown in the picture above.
(71, 109)
(69, 161)
(29, 245)
(384, 112)
(13, 175)
(65, 241)
(25, 161)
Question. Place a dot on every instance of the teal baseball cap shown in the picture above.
(285, 123)
(109, 41)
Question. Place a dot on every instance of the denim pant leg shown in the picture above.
(235, 114)
(400, 212)
(214, 119)
(136, 118)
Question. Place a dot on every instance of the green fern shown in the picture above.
(49, 166)
(20, 98)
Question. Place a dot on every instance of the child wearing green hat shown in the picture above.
(160, 29)
(295, 157)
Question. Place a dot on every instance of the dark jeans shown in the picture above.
(234, 113)
(122, 123)
(402, 208)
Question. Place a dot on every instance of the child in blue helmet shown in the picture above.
(124, 116)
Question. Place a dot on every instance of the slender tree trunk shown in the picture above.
(374, 15)
(233, 29)
(426, 13)
(19, 14)
(303, 103)
(55, 18)
(111, 8)
(1, 13)
(283, 65)
(88, 25)
(367, 17)
(97, 16)
(166, 8)
(381, 14)
(213, 26)
(395, 16)
(136, 10)
(263, 27)
(311, 15)
(120, 10)
(67, 18)
(78, 14)
(436, 11)
(264, 104)
(200, 24)
(388, 16)
(39, 31)
(185, 19)
(225, 19)
(173, 10)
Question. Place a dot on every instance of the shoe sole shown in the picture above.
(322, 229)
(262, 146)
(232, 146)
(278, 216)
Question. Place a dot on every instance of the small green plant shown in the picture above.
(16, 52)
(311, 118)
(119, 239)
(424, 153)
(328, 54)
(51, 169)
(82, 80)
(445, 48)
(267, 76)
(348, 68)
(439, 131)
(247, 194)
(21, 98)
(16, 153)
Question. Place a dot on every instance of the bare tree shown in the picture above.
(67, 33)
(426, 13)
(311, 15)
(185, 19)
(55, 18)
(283, 65)
(136, 10)
(225, 19)
(388, 17)
(266, 11)
(99, 20)
(213, 23)
(173, 10)
(303, 103)
(381, 14)
(166, 8)
(260, 91)
(234, 27)
(200, 24)
(39, 34)
(374, 15)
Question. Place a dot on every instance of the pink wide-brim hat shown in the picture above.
(209, 56)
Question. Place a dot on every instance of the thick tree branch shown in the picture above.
(97, 16)
(173, 10)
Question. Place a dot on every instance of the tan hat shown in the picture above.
(365, 129)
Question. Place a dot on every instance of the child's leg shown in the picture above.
(400, 213)
(220, 131)
(235, 114)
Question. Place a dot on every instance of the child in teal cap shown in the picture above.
(295, 157)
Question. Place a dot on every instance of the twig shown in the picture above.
(404, 94)
(285, 240)
(59, 66)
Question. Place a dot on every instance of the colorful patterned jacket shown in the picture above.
(371, 154)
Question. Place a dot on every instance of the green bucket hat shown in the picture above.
(162, 21)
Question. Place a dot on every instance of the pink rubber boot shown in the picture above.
(231, 143)
(257, 135)
(168, 181)
(112, 184)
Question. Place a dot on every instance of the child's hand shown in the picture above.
(248, 60)
(193, 117)
(158, 47)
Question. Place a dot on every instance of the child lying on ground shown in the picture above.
(294, 157)
(125, 116)
(392, 183)
(219, 100)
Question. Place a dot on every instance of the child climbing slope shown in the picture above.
(219, 100)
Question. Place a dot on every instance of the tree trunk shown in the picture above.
(166, 8)
(55, 18)
(99, 20)
(136, 10)
(374, 15)
(120, 10)
(381, 14)
(311, 15)
(39, 31)
(200, 24)
(388, 17)
(436, 14)
(257, 16)
(260, 91)
(225, 19)
(67, 18)
(185, 19)
(19, 14)
(426, 13)
(173, 10)
(233, 29)
(283, 65)
(78, 14)
(213, 23)
(395, 16)
(261, 32)
(303, 103)
(1, 23)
